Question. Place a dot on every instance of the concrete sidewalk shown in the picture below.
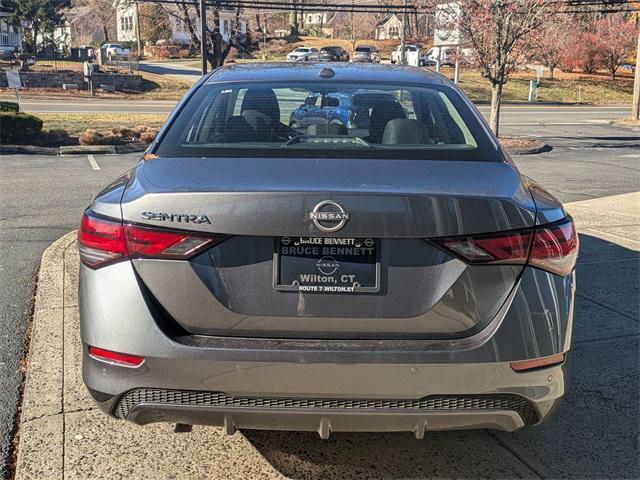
(61, 435)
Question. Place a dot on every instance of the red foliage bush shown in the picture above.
(581, 54)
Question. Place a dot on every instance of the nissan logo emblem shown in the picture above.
(328, 216)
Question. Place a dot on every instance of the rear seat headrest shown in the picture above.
(404, 131)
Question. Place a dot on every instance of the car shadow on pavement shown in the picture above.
(593, 434)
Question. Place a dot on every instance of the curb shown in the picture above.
(29, 149)
(617, 123)
(531, 151)
(40, 426)
(72, 149)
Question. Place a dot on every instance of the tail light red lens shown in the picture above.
(553, 247)
(102, 241)
(115, 358)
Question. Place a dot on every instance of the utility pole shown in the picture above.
(203, 35)
(403, 52)
(635, 114)
(138, 32)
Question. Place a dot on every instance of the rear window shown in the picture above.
(325, 119)
(363, 49)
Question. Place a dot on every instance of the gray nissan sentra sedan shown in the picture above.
(399, 277)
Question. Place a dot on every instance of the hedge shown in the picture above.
(9, 107)
(19, 128)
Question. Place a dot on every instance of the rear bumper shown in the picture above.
(415, 398)
(324, 385)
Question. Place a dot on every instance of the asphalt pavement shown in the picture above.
(43, 197)
(521, 115)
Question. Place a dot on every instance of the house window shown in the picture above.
(394, 32)
(225, 27)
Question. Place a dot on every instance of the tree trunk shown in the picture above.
(551, 69)
(496, 98)
(293, 20)
(105, 32)
(35, 31)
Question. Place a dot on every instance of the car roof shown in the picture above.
(286, 71)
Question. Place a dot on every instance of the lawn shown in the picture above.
(565, 88)
(161, 87)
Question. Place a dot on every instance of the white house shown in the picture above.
(125, 20)
(389, 27)
(9, 35)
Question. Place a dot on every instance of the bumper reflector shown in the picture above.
(538, 363)
(115, 358)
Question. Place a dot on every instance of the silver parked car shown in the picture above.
(366, 53)
(303, 54)
(398, 277)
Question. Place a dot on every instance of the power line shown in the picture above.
(596, 6)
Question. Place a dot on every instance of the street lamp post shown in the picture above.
(403, 52)
(203, 35)
(635, 113)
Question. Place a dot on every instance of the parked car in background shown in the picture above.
(396, 55)
(303, 54)
(114, 51)
(333, 54)
(366, 53)
(8, 52)
(447, 55)
(350, 109)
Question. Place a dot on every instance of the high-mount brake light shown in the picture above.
(553, 247)
(102, 241)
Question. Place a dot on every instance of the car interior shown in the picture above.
(266, 115)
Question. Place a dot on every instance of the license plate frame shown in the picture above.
(365, 270)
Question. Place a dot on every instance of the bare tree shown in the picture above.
(103, 14)
(218, 47)
(550, 42)
(497, 30)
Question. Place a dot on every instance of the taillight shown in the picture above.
(555, 248)
(551, 247)
(115, 358)
(102, 241)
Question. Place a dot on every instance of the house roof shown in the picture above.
(385, 19)
(336, 18)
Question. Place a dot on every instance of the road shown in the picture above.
(43, 197)
(517, 115)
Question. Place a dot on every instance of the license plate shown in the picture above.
(326, 265)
